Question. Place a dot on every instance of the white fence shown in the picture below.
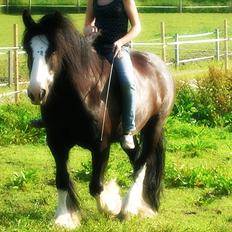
(179, 40)
(221, 50)
(13, 65)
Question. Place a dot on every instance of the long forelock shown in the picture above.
(72, 48)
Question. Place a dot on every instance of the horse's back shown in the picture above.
(155, 85)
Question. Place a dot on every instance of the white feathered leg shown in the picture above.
(64, 217)
(109, 201)
(134, 203)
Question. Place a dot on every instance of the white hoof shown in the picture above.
(68, 221)
(109, 201)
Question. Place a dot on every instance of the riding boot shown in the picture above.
(127, 141)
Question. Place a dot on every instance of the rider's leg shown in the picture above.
(124, 68)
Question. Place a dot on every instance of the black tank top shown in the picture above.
(111, 20)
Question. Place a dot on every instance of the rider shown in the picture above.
(110, 18)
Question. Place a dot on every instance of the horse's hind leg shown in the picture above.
(143, 197)
(107, 196)
(67, 214)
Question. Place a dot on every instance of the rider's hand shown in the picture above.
(117, 48)
(90, 30)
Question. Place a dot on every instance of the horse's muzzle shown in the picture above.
(38, 98)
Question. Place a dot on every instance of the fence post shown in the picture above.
(177, 51)
(78, 6)
(226, 45)
(16, 61)
(7, 6)
(163, 41)
(180, 6)
(30, 5)
(10, 68)
(217, 44)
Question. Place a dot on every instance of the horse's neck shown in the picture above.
(90, 85)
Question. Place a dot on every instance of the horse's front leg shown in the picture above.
(67, 213)
(107, 196)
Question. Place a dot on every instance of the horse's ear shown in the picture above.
(58, 15)
(27, 19)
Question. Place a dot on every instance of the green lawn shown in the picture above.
(28, 195)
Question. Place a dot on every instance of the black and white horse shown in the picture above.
(69, 80)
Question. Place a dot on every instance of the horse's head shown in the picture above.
(42, 54)
(55, 47)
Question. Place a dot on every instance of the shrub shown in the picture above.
(208, 102)
(14, 124)
(199, 177)
(20, 180)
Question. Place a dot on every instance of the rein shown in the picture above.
(106, 102)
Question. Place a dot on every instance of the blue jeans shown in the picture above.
(123, 66)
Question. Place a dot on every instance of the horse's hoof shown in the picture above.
(142, 212)
(109, 201)
(68, 221)
(122, 217)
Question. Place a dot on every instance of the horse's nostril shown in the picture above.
(30, 95)
(42, 94)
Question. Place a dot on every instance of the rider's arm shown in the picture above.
(135, 28)
(89, 26)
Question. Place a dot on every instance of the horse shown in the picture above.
(69, 80)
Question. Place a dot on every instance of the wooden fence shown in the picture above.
(80, 5)
(177, 42)
(13, 66)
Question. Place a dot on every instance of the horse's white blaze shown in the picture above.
(109, 201)
(63, 217)
(40, 76)
(133, 203)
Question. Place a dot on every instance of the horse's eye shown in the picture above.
(52, 61)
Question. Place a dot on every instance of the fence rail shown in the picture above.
(179, 40)
(80, 5)
(176, 46)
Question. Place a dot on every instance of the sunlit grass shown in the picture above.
(192, 199)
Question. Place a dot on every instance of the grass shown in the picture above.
(191, 200)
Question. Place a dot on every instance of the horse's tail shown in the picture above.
(153, 158)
